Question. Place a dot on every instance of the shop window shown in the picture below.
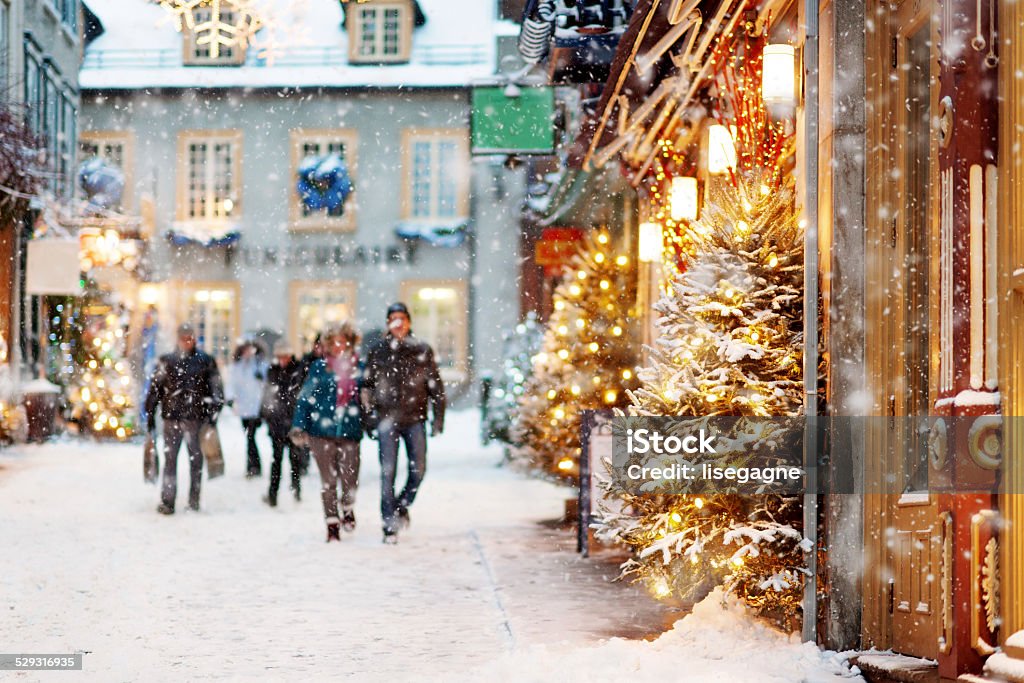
(439, 317)
(209, 176)
(436, 175)
(380, 32)
(321, 143)
(316, 305)
(212, 309)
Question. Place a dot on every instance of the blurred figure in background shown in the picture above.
(402, 386)
(315, 353)
(284, 380)
(187, 387)
(328, 419)
(246, 376)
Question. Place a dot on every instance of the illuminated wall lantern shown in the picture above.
(778, 76)
(721, 150)
(683, 199)
(651, 243)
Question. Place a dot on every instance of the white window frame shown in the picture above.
(321, 220)
(357, 40)
(214, 210)
(438, 139)
(297, 288)
(428, 329)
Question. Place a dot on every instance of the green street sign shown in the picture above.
(521, 124)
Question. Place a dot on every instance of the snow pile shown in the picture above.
(719, 641)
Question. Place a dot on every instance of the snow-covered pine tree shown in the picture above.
(521, 344)
(587, 359)
(730, 344)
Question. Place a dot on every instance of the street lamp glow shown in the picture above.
(651, 243)
(778, 75)
(721, 150)
(683, 198)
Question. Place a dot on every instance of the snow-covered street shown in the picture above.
(240, 591)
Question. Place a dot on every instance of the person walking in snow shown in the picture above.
(402, 381)
(284, 379)
(328, 419)
(187, 387)
(315, 353)
(246, 376)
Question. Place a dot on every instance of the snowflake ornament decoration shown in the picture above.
(230, 23)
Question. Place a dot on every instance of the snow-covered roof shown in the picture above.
(304, 44)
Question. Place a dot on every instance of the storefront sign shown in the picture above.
(300, 256)
(556, 248)
(53, 268)
(513, 120)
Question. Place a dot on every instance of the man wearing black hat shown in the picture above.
(187, 386)
(401, 381)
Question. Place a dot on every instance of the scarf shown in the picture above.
(343, 367)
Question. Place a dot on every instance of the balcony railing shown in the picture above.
(300, 56)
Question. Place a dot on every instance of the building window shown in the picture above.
(436, 175)
(33, 101)
(68, 132)
(322, 142)
(212, 309)
(380, 32)
(316, 304)
(5, 47)
(209, 178)
(201, 54)
(439, 317)
(117, 148)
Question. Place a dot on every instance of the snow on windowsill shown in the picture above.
(971, 397)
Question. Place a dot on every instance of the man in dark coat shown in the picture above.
(402, 382)
(284, 379)
(187, 386)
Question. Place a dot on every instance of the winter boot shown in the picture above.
(348, 520)
(390, 537)
(403, 517)
(165, 509)
(333, 532)
(270, 500)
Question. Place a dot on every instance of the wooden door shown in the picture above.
(916, 538)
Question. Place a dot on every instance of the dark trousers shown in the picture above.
(415, 438)
(176, 431)
(253, 466)
(280, 442)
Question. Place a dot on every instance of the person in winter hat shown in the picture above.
(246, 376)
(187, 387)
(328, 419)
(284, 379)
(402, 385)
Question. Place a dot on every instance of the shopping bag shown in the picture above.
(209, 444)
(150, 462)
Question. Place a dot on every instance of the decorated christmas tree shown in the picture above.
(587, 359)
(100, 388)
(730, 344)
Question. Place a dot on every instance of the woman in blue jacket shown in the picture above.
(328, 418)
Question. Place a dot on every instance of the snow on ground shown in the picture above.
(718, 641)
(476, 588)
(240, 591)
